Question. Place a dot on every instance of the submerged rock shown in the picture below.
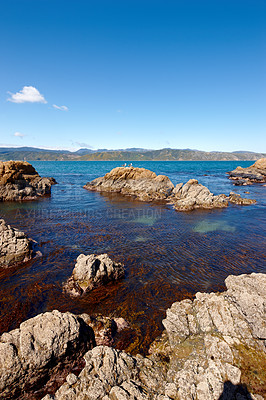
(15, 247)
(138, 182)
(92, 271)
(249, 175)
(213, 348)
(145, 185)
(20, 181)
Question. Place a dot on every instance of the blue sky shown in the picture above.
(133, 73)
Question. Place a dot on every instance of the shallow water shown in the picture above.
(168, 255)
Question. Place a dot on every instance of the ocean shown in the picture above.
(168, 255)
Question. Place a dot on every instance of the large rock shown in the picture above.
(147, 186)
(249, 175)
(192, 195)
(39, 350)
(92, 271)
(20, 181)
(138, 182)
(15, 247)
(211, 349)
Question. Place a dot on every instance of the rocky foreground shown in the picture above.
(213, 348)
(20, 181)
(256, 173)
(145, 185)
(15, 247)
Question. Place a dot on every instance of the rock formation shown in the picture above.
(15, 247)
(139, 182)
(145, 185)
(92, 271)
(192, 195)
(249, 175)
(213, 348)
(39, 350)
(20, 181)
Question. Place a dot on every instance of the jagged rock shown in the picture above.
(20, 181)
(138, 182)
(39, 350)
(210, 348)
(15, 247)
(92, 271)
(192, 195)
(147, 186)
(249, 175)
(235, 198)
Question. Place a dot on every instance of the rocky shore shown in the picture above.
(213, 348)
(15, 247)
(145, 185)
(256, 173)
(20, 181)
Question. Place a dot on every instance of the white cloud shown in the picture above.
(62, 108)
(29, 94)
(19, 134)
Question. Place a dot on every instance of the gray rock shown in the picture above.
(92, 271)
(20, 181)
(203, 354)
(192, 195)
(39, 350)
(15, 247)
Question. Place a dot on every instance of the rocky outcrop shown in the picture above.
(92, 271)
(192, 195)
(213, 348)
(246, 176)
(235, 198)
(39, 350)
(20, 181)
(139, 182)
(15, 247)
(145, 185)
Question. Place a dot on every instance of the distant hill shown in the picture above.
(134, 154)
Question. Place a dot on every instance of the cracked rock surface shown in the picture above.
(39, 350)
(213, 348)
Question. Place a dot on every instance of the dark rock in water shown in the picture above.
(39, 350)
(15, 247)
(139, 182)
(249, 175)
(92, 271)
(20, 181)
(192, 195)
(145, 185)
(213, 348)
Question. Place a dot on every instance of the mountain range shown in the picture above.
(130, 154)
